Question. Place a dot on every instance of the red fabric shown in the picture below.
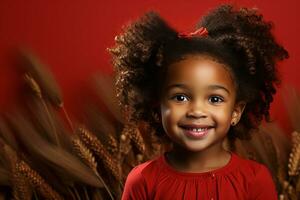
(240, 179)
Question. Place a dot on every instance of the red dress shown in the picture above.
(240, 179)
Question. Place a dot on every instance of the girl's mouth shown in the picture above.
(195, 132)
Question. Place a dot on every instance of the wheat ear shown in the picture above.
(42, 76)
(85, 154)
(21, 189)
(135, 136)
(37, 91)
(112, 144)
(92, 141)
(294, 160)
(37, 181)
(34, 86)
(125, 145)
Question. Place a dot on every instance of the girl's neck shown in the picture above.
(204, 161)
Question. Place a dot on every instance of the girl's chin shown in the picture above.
(194, 147)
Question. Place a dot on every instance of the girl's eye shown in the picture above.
(215, 99)
(180, 97)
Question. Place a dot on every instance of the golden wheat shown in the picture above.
(92, 141)
(294, 160)
(34, 86)
(125, 146)
(112, 144)
(137, 139)
(135, 136)
(21, 187)
(85, 154)
(42, 76)
(37, 181)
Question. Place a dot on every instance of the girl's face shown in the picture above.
(198, 103)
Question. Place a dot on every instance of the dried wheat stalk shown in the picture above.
(6, 134)
(23, 174)
(105, 130)
(135, 136)
(34, 86)
(92, 141)
(31, 82)
(42, 76)
(125, 145)
(37, 181)
(112, 145)
(85, 154)
(294, 160)
(60, 157)
(21, 188)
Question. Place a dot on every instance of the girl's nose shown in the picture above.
(196, 110)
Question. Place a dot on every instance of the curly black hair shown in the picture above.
(239, 38)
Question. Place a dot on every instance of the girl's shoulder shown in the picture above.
(147, 169)
(141, 179)
(250, 167)
(258, 177)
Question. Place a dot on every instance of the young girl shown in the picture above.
(199, 88)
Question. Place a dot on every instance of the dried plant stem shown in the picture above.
(135, 136)
(21, 188)
(35, 195)
(294, 160)
(37, 91)
(92, 141)
(112, 144)
(86, 193)
(34, 86)
(125, 145)
(67, 118)
(43, 77)
(86, 155)
(76, 193)
(37, 181)
(51, 123)
(71, 193)
(106, 187)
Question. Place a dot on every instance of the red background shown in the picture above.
(71, 37)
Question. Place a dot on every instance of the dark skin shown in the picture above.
(198, 106)
(194, 162)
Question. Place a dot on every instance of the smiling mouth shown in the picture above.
(195, 132)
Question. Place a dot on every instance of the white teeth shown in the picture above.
(198, 129)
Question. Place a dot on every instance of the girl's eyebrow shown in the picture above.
(210, 87)
(218, 87)
(177, 85)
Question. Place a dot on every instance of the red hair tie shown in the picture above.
(199, 32)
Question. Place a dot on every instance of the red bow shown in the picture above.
(199, 32)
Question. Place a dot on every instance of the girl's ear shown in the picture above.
(237, 112)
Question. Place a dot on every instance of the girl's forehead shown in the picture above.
(199, 70)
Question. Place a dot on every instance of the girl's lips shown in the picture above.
(196, 132)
